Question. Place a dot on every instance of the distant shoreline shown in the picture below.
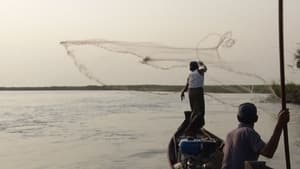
(292, 90)
(167, 88)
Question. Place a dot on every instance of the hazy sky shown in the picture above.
(31, 31)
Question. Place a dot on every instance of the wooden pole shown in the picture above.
(282, 79)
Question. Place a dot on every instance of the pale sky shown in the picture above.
(32, 29)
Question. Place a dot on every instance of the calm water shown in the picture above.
(116, 129)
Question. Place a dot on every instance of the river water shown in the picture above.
(117, 129)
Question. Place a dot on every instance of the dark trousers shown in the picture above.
(196, 97)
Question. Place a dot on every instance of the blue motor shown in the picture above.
(195, 153)
(190, 146)
(197, 147)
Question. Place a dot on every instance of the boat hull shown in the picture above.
(174, 154)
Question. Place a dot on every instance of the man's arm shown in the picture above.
(203, 65)
(271, 146)
(184, 90)
(204, 68)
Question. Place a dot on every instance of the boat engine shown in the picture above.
(196, 153)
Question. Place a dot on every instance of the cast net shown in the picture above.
(104, 61)
(157, 56)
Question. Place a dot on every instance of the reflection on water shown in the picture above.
(116, 129)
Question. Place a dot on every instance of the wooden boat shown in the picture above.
(256, 165)
(210, 158)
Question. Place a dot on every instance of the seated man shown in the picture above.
(244, 143)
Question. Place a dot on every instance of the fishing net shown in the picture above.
(157, 56)
(102, 60)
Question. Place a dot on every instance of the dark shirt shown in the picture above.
(242, 144)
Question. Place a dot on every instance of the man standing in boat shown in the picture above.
(194, 86)
(244, 143)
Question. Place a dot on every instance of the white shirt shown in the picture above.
(195, 79)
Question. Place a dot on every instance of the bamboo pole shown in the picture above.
(282, 79)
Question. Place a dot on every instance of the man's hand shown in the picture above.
(200, 63)
(182, 96)
(283, 117)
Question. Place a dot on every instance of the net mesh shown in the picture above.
(242, 72)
